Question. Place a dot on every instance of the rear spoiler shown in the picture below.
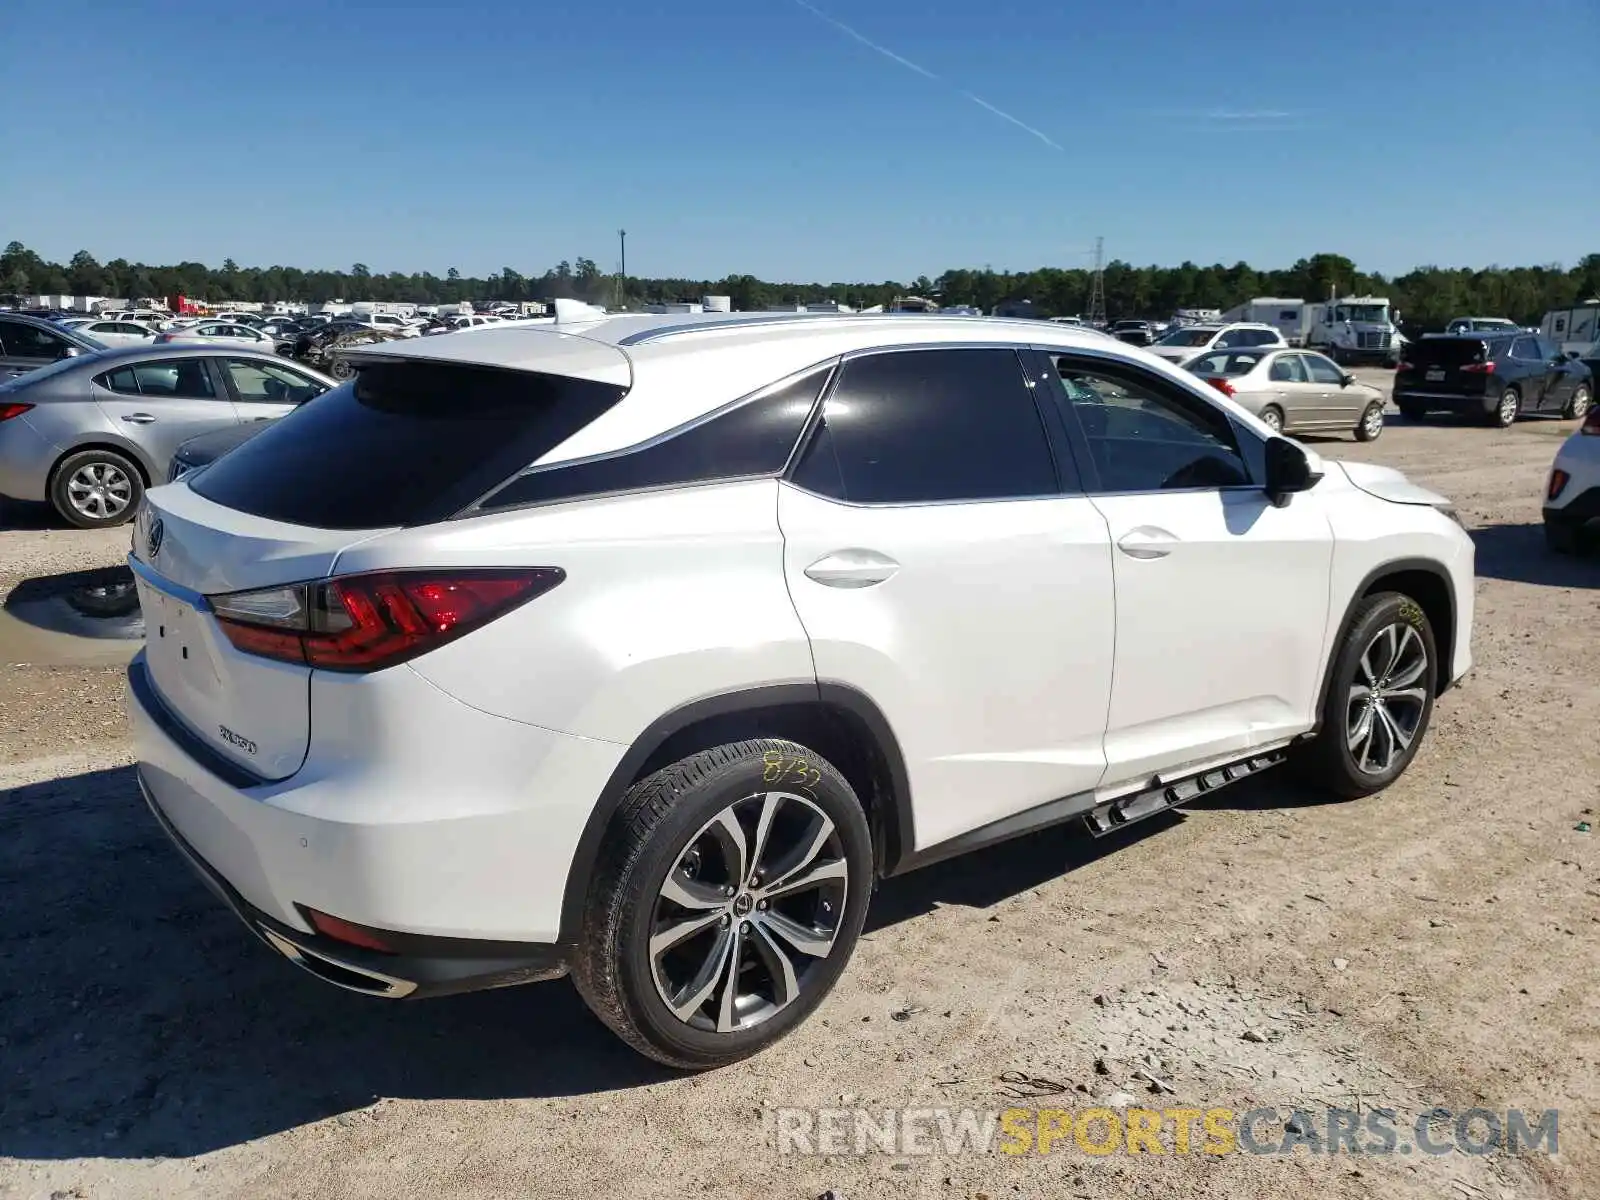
(546, 349)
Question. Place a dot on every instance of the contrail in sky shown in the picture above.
(923, 71)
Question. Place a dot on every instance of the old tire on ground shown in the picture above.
(1379, 698)
(341, 370)
(755, 854)
(1370, 427)
(95, 489)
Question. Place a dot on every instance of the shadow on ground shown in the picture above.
(1518, 553)
(140, 1019)
(18, 514)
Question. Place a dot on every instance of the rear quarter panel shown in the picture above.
(670, 597)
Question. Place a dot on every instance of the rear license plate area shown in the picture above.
(1435, 374)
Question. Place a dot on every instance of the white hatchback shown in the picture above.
(640, 647)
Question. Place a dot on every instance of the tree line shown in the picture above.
(1427, 296)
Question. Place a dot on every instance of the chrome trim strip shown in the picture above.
(196, 600)
(383, 985)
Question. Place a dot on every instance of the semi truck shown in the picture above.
(1349, 330)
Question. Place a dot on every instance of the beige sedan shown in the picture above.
(1294, 391)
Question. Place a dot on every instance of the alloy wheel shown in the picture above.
(1581, 400)
(1509, 403)
(1271, 419)
(1372, 423)
(1387, 697)
(749, 910)
(99, 490)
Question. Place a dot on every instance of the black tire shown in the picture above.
(1561, 537)
(341, 370)
(656, 840)
(119, 496)
(1272, 417)
(1329, 761)
(1370, 427)
(1412, 411)
(1507, 407)
(1578, 403)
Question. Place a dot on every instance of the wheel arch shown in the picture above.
(1425, 581)
(122, 449)
(836, 720)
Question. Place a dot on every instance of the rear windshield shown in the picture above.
(1189, 337)
(1446, 351)
(402, 444)
(1226, 362)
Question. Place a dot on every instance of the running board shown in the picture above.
(1114, 814)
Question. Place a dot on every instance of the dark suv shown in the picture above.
(1494, 377)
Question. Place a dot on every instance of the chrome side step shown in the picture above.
(1125, 810)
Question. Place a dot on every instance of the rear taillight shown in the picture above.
(1591, 423)
(368, 622)
(7, 411)
(1404, 366)
(1222, 385)
(1558, 480)
(1483, 368)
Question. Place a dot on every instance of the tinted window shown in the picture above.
(1287, 368)
(1446, 352)
(754, 437)
(930, 425)
(26, 341)
(1143, 436)
(172, 378)
(402, 444)
(1322, 369)
(1525, 347)
(1226, 362)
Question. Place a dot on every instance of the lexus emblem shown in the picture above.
(152, 540)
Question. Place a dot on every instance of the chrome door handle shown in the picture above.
(852, 569)
(138, 418)
(1146, 542)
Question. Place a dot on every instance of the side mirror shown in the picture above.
(1346, 379)
(1289, 471)
(71, 352)
(1572, 354)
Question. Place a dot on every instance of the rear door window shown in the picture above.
(403, 444)
(924, 426)
(171, 378)
(1287, 368)
(1526, 349)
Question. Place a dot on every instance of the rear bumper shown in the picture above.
(1582, 509)
(424, 967)
(1444, 401)
(25, 459)
(454, 837)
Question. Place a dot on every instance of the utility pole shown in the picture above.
(1097, 288)
(622, 280)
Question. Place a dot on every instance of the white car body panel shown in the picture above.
(672, 597)
(1040, 573)
(1191, 683)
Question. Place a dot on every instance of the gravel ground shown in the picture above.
(1434, 945)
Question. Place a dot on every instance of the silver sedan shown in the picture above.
(88, 434)
(221, 333)
(1294, 391)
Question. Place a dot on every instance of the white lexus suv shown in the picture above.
(639, 648)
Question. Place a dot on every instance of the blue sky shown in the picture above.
(840, 140)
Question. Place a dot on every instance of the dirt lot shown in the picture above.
(1435, 945)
